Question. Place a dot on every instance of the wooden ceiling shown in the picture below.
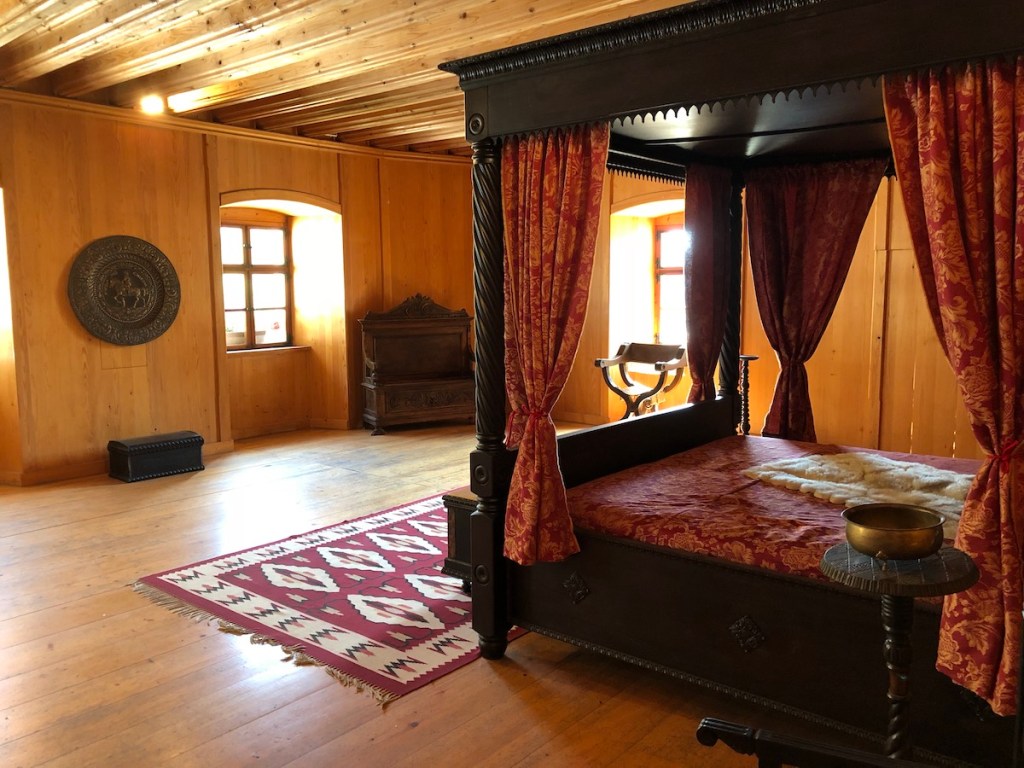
(358, 71)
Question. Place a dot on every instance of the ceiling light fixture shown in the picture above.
(152, 104)
(185, 101)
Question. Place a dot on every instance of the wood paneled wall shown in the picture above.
(845, 367)
(426, 249)
(250, 168)
(364, 278)
(273, 391)
(10, 423)
(70, 178)
(878, 378)
(72, 173)
(586, 399)
(922, 411)
(262, 163)
(321, 306)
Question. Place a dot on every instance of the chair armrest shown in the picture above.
(608, 362)
(671, 365)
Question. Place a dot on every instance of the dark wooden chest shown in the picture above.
(142, 458)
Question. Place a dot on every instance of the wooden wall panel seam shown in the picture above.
(222, 386)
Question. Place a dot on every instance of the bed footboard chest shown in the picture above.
(142, 458)
(460, 505)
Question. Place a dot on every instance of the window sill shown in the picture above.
(270, 350)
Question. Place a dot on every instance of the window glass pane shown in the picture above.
(231, 245)
(674, 244)
(271, 326)
(268, 291)
(234, 291)
(672, 317)
(267, 246)
(234, 325)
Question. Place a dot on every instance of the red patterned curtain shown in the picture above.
(804, 222)
(956, 135)
(551, 194)
(708, 193)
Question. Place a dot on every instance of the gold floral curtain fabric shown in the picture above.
(957, 135)
(804, 221)
(551, 197)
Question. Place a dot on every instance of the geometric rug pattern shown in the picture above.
(365, 599)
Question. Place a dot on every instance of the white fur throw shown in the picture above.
(862, 478)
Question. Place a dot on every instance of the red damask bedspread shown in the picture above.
(700, 501)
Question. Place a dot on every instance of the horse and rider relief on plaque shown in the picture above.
(124, 290)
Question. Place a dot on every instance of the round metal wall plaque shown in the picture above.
(124, 290)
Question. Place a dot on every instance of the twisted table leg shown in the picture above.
(897, 619)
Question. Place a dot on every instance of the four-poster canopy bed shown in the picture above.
(719, 93)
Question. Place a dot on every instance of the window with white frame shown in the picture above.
(671, 244)
(257, 279)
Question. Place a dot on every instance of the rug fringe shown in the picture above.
(172, 604)
(294, 654)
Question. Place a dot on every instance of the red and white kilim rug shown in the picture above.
(366, 599)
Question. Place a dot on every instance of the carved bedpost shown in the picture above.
(729, 358)
(490, 463)
(745, 361)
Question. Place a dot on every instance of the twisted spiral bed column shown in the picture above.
(490, 465)
(729, 358)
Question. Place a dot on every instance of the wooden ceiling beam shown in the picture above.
(22, 16)
(365, 110)
(446, 146)
(437, 127)
(327, 94)
(363, 71)
(381, 124)
(404, 45)
(174, 43)
(420, 141)
(424, 144)
(334, 38)
(385, 123)
(96, 29)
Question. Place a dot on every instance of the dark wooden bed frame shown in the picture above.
(808, 648)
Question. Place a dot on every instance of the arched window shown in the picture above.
(646, 299)
(256, 260)
(282, 267)
(671, 244)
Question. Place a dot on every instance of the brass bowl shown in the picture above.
(894, 531)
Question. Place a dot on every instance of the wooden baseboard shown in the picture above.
(267, 429)
(221, 446)
(333, 424)
(42, 475)
(61, 472)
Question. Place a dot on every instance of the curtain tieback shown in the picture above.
(513, 438)
(1006, 453)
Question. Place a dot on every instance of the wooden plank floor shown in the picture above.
(94, 675)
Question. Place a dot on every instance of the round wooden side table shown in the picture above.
(898, 582)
